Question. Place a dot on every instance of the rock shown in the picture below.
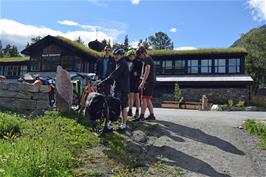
(251, 108)
(21, 104)
(3, 86)
(64, 90)
(139, 136)
(7, 94)
(215, 107)
(13, 87)
(42, 104)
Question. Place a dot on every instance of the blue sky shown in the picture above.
(198, 23)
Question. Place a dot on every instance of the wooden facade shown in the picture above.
(48, 53)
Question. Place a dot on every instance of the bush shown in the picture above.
(258, 129)
(9, 124)
(177, 93)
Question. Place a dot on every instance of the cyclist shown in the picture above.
(104, 67)
(135, 66)
(120, 76)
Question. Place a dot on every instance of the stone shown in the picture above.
(25, 87)
(215, 107)
(13, 87)
(64, 90)
(8, 94)
(3, 86)
(21, 104)
(44, 105)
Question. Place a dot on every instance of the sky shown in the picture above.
(189, 23)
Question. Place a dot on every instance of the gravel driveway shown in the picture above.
(207, 143)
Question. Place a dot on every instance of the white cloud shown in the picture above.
(258, 9)
(134, 44)
(68, 23)
(135, 2)
(173, 30)
(185, 48)
(19, 34)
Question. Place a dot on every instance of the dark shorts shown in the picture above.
(134, 86)
(123, 97)
(147, 91)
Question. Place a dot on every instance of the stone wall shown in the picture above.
(23, 97)
(214, 95)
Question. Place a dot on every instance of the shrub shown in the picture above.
(177, 93)
(9, 124)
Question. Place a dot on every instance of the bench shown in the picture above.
(185, 105)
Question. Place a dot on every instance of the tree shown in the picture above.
(126, 43)
(118, 45)
(6, 50)
(145, 43)
(255, 44)
(79, 40)
(161, 41)
(35, 39)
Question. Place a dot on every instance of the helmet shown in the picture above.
(131, 52)
(118, 51)
(141, 50)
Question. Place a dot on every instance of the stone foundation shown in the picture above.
(23, 97)
(214, 95)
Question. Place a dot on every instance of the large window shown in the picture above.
(206, 66)
(12, 71)
(193, 66)
(180, 67)
(219, 65)
(234, 65)
(167, 67)
(23, 69)
(35, 64)
(157, 66)
(67, 62)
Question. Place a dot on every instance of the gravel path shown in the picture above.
(205, 143)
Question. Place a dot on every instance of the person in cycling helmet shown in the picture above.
(120, 76)
(135, 66)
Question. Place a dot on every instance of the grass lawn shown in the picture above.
(56, 145)
(258, 129)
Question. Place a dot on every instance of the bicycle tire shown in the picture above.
(99, 125)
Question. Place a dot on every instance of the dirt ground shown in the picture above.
(200, 143)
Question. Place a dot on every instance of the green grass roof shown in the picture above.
(80, 46)
(198, 51)
(14, 59)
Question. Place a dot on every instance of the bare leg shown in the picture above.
(150, 106)
(143, 106)
(124, 115)
(130, 100)
(136, 100)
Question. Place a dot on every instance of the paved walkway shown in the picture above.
(207, 143)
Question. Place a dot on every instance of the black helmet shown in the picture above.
(141, 50)
(119, 51)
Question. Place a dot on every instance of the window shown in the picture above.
(23, 69)
(67, 62)
(180, 67)
(193, 66)
(12, 71)
(35, 64)
(234, 65)
(87, 67)
(1, 70)
(78, 64)
(167, 67)
(219, 65)
(157, 66)
(206, 66)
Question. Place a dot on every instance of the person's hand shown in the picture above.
(141, 85)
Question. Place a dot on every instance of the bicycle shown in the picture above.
(97, 120)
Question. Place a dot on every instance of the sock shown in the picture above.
(130, 110)
(123, 125)
(137, 110)
(109, 126)
(141, 115)
(152, 115)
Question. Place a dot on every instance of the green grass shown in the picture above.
(80, 46)
(258, 129)
(46, 146)
(198, 51)
(14, 59)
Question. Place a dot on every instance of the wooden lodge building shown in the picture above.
(217, 73)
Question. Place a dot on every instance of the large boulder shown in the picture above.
(64, 90)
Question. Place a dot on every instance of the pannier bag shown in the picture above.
(114, 108)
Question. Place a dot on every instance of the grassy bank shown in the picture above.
(258, 129)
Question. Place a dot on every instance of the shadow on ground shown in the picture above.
(140, 134)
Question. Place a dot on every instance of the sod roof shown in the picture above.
(14, 59)
(210, 51)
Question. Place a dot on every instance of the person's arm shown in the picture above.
(145, 77)
(115, 74)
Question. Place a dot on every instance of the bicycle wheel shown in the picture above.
(100, 124)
